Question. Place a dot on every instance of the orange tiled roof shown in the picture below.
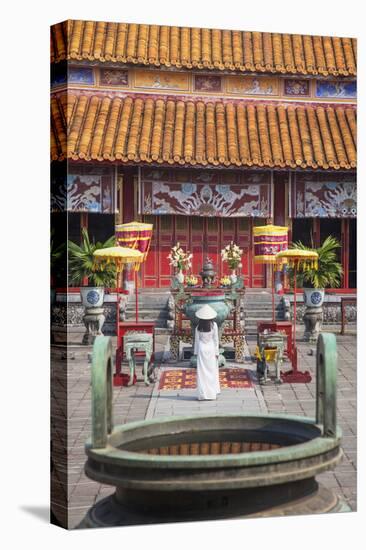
(203, 48)
(185, 132)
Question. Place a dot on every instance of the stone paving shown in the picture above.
(140, 402)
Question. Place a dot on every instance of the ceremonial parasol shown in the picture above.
(120, 256)
(299, 260)
(136, 236)
(269, 240)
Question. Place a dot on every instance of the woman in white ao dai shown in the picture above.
(206, 348)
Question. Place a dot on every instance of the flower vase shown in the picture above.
(180, 277)
(233, 277)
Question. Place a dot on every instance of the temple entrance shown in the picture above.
(203, 237)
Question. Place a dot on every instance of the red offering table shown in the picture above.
(123, 327)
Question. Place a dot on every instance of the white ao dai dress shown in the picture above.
(206, 347)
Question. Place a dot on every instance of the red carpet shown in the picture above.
(186, 379)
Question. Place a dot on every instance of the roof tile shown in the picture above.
(203, 48)
(190, 132)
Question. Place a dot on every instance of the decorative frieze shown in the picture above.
(161, 80)
(205, 193)
(80, 75)
(207, 83)
(252, 85)
(297, 87)
(113, 77)
(337, 89)
(83, 193)
(117, 78)
(324, 196)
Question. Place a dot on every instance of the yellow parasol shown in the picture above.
(120, 256)
(136, 236)
(269, 240)
(298, 260)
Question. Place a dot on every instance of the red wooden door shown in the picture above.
(243, 239)
(212, 241)
(228, 230)
(203, 237)
(149, 270)
(156, 272)
(197, 242)
(166, 236)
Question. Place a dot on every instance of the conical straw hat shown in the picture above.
(206, 312)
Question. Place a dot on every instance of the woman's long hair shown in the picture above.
(205, 325)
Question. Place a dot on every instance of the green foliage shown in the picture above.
(57, 262)
(82, 263)
(329, 271)
(57, 253)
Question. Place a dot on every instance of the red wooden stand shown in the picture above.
(279, 326)
(123, 327)
(293, 376)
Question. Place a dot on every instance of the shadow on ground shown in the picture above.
(40, 512)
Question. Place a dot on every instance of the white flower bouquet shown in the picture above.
(180, 259)
(232, 255)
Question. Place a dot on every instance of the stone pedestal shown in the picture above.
(313, 319)
(94, 320)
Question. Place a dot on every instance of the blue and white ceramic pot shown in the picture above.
(92, 296)
(313, 297)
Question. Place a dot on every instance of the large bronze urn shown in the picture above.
(215, 466)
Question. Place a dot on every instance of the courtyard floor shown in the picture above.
(140, 402)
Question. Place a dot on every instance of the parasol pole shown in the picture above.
(295, 274)
(136, 297)
(273, 294)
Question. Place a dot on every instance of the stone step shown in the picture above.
(153, 306)
(156, 302)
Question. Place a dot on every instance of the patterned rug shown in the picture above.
(186, 379)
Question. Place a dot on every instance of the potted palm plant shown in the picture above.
(82, 266)
(314, 281)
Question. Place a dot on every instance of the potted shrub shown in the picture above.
(314, 281)
(82, 265)
(327, 274)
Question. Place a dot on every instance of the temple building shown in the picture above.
(205, 133)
